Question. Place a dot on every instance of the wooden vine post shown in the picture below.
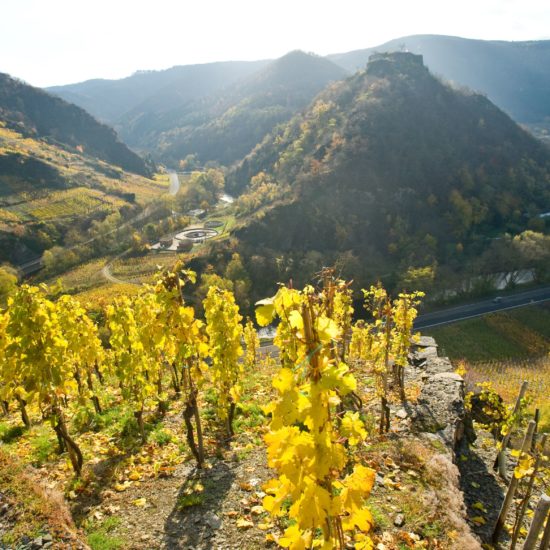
(541, 513)
(501, 457)
(508, 499)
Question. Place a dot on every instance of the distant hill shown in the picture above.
(153, 92)
(40, 114)
(226, 126)
(514, 75)
(388, 170)
(218, 111)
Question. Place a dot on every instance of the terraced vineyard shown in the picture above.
(43, 182)
(79, 201)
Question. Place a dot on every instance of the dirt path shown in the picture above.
(231, 489)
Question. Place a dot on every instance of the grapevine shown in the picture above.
(134, 368)
(252, 343)
(84, 351)
(225, 331)
(308, 444)
(188, 348)
(38, 364)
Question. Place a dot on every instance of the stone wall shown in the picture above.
(440, 407)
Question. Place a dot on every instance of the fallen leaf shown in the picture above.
(257, 510)
(139, 502)
(479, 520)
(479, 506)
(243, 523)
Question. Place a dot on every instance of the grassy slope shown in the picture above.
(516, 334)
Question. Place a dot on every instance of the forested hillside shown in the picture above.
(391, 173)
(153, 91)
(227, 126)
(38, 114)
(216, 112)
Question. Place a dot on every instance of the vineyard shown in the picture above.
(517, 334)
(76, 202)
(159, 427)
(93, 184)
(504, 349)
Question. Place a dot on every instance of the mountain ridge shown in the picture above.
(38, 113)
(395, 166)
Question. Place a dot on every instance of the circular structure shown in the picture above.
(213, 223)
(197, 235)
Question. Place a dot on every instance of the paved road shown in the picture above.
(468, 311)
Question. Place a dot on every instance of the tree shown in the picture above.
(534, 249)
(138, 245)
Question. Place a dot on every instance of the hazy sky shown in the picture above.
(48, 42)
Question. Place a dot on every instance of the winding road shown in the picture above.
(106, 270)
(174, 184)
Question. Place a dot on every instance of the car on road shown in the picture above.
(497, 300)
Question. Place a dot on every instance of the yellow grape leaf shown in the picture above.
(292, 538)
(243, 523)
(327, 329)
(284, 380)
(264, 526)
(134, 475)
(524, 467)
(479, 520)
(479, 506)
(265, 312)
(295, 320)
(121, 487)
(139, 502)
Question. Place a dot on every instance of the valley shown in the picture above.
(381, 213)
